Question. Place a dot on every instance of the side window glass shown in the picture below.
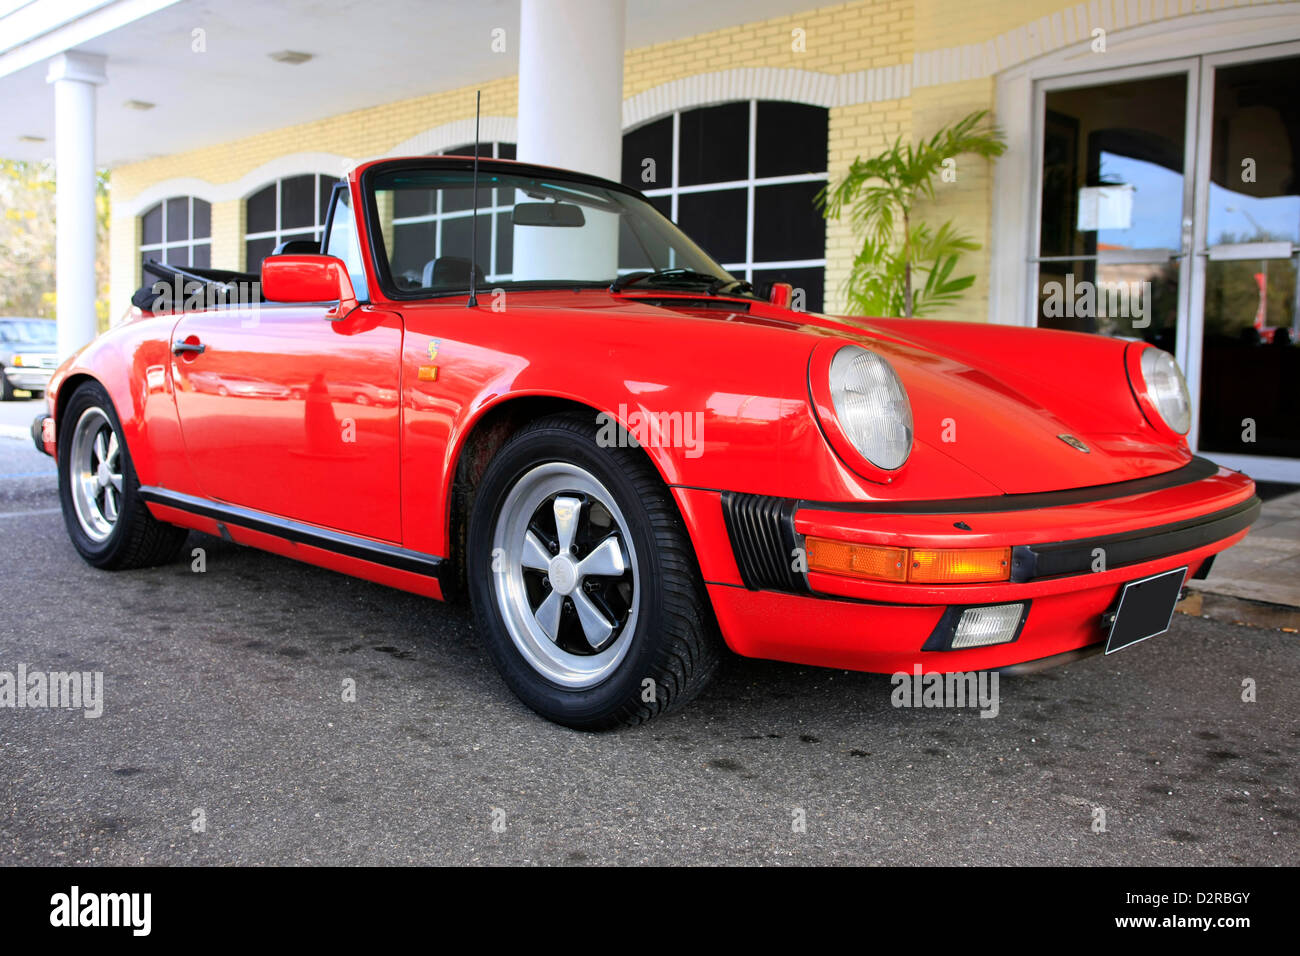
(343, 242)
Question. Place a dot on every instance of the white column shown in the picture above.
(75, 76)
(571, 116)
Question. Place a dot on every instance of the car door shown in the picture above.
(288, 413)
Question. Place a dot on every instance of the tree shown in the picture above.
(27, 230)
(880, 194)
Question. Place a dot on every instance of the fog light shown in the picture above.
(981, 626)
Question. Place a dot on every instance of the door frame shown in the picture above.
(1185, 66)
(1267, 468)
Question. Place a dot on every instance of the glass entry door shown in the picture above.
(1245, 359)
(1115, 203)
(1169, 211)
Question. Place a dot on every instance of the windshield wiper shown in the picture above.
(690, 275)
(730, 285)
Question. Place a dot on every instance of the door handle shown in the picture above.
(198, 348)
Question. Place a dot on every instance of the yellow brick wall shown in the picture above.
(861, 130)
(967, 202)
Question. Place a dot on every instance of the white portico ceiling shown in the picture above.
(364, 53)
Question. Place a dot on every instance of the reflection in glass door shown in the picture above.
(1114, 204)
(1246, 292)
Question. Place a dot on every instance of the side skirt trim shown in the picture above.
(376, 552)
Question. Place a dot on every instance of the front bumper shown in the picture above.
(767, 608)
(28, 377)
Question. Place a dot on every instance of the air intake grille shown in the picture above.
(762, 535)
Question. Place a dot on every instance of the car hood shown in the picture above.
(1011, 404)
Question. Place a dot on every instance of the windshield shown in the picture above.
(27, 332)
(531, 233)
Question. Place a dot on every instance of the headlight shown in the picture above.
(871, 406)
(1167, 389)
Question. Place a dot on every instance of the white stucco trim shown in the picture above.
(294, 164)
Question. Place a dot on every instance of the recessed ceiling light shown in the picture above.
(27, 138)
(138, 105)
(292, 57)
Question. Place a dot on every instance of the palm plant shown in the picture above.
(880, 194)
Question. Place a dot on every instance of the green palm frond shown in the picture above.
(878, 195)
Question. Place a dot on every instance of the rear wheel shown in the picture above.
(584, 581)
(107, 520)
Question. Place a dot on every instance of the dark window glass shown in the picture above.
(652, 141)
(638, 251)
(178, 219)
(465, 150)
(715, 220)
(256, 250)
(811, 280)
(413, 244)
(202, 257)
(714, 144)
(408, 203)
(297, 201)
(505, 243)
(202, 219)
(786, 223)
(261, 210)
(790, 139)
(326, 190)
(456, 234)
(151, 225)
(506, 150)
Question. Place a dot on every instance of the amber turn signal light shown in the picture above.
(959, 565)
(916, 565)
(856, 560)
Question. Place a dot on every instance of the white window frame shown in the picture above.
(741, 269)
(279, 232)
(189, 243)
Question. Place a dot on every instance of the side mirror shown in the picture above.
(309, 279)
(781, 294)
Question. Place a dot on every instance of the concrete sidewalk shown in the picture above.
(1256, 582)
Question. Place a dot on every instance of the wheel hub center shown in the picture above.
(102, 473)
(563, 573)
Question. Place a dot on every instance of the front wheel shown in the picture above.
(584, 581)
(107, 520)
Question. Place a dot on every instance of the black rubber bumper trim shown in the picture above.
(1195, 470)
(1032, 562)
(376, 552)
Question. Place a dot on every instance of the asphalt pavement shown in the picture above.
(225, 737)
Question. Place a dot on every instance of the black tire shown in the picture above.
(138, 539)
(6, 390)
(675, 641)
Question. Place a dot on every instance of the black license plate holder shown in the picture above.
(1146, 609)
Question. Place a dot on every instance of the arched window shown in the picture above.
(290, 208)
(417, 225)
(177, 231)
(740, 178)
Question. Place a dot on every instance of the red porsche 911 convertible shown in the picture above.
(542, 396)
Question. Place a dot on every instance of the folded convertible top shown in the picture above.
(220, 284)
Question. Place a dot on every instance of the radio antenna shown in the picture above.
(473, 223)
